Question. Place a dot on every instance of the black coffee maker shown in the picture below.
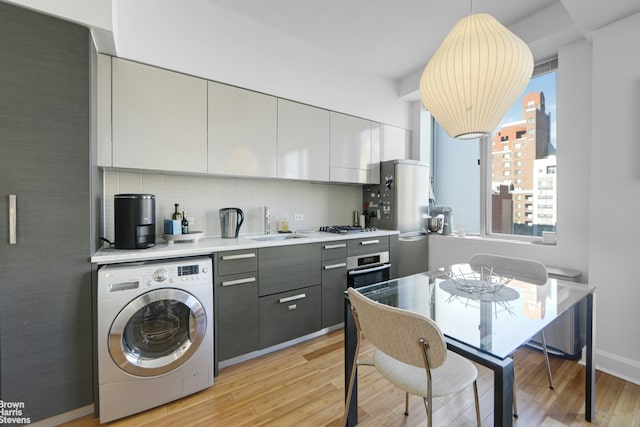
(135, 221)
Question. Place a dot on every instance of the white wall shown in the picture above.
(598, 187)
(614, 249)
(199, 38)
(94, 13)
(202, 196)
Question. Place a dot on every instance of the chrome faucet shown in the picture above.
(267, 220)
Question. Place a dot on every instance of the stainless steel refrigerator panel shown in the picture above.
(413, 251)
(412, 196)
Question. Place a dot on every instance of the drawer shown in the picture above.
(233, 262)
(289, 255)
(367, 245)
(289, 315)
(334, 250)
(286, 278)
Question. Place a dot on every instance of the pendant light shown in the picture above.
(475, 76)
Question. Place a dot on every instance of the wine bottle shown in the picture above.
(185, 223)
(176, 214)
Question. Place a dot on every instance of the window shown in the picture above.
(504, 177)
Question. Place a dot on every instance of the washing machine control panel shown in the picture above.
(177, 273)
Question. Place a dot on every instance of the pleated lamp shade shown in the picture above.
(475, 76)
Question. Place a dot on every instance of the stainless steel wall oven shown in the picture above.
(364, 270)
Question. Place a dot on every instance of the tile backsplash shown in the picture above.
(201, 197)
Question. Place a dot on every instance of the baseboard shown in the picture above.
(63, 418)
(618, 366)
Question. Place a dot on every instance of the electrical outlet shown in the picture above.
(298, 217)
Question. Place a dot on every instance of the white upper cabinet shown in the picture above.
(242, 132)
(303, 141)
(159, 119)
(350, 149)
(396, 143)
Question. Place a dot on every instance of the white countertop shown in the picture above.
(209, 245)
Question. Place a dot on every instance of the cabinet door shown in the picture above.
(396, 143)
(350, 149)
(159, 119)
(303, 141)
(46, 340)
(242, 132)
(334, 283)
(237, 312)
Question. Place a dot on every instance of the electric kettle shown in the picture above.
(230, 221)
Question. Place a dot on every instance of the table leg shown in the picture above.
(503, 395)
(350, 341)
(590, 370)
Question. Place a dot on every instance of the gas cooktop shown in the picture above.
(345, 229)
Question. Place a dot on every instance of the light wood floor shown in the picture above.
(304, 386)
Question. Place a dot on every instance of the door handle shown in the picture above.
(12, 219)
(293, 298)
(239, 281)
(239, 256)
(332, 266)
(369, 242)
(336, 246)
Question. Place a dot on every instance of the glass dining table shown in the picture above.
(484, 325)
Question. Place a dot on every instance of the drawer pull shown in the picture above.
(336, 246)
(369, 242)
(332, 266)
(12, 219)
(293, 298)
(292, 307)
(239, 256)
(239, 281)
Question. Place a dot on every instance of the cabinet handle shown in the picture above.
(336, 246)
(293, 298)
(292, 307)
(239, 256)
(369, 242)
(332, 266)
(239, 281)
(12, 219)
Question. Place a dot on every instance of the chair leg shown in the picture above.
(427, 406)
(475, 398)
(515, 399)
(406, 404)
(546, 357)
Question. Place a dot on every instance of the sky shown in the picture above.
(545, 83)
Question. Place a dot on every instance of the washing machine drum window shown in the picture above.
(157, 332)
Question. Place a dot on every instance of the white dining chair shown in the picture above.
(527, 270)
(410, 352)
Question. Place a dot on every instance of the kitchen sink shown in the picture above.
(276, 237)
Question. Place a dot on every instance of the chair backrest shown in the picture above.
(528, 270)
(397, 332)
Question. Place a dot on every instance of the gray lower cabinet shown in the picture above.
(290, 292)
(236, 302)
(289, 267)
(46, 341)
(334, 282)
(367, 245)
(289, 315)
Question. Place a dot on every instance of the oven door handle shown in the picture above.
(370, 270)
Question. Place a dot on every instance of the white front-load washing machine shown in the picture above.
(155, 333)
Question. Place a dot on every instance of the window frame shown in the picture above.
(486, 157)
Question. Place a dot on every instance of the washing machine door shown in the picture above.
(157, 332)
